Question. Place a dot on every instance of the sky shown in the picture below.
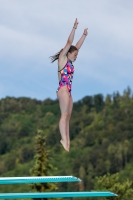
(32, 31)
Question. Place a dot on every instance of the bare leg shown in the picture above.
(63, 130)
(70, 111)
(64, 101)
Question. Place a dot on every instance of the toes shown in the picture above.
(64, 145)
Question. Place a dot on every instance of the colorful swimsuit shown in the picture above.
(66, 76)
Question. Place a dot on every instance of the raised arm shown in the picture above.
(70, 40)
(81, 40)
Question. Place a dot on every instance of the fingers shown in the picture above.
(76, 20)
(76, 23)
(86, 31)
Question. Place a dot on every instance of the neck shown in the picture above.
(69, 61)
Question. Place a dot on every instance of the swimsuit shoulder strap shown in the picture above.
(63, 67)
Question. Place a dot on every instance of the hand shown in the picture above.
(76, 23)
(86, 31)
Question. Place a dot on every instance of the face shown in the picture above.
(72, 56)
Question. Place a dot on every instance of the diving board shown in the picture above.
(55, 195)
(38, 179)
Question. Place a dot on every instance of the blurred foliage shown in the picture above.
(111, 183)
(101, 132)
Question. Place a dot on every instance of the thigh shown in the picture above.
(64, 99)
(70, 105)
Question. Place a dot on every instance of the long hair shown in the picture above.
(56, 56)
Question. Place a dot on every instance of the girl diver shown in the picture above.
(66, 57)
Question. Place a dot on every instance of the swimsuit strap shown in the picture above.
(64, 66)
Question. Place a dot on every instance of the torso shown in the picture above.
(65, 74)
(61, 63)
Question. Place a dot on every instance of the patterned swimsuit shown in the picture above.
(66, 77)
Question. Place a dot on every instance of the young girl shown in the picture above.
(66, 57)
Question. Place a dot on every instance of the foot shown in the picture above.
(64, 144)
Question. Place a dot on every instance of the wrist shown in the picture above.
(74, 27)
(84, 34)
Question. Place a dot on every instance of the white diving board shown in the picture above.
(55, 195)
(38, 179)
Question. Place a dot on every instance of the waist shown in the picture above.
(65, 81)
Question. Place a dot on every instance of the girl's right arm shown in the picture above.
(70, 40)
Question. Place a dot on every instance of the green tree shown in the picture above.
(82, 175)
(111, 183)
(126, 147)
(98, 102)
(42, 165)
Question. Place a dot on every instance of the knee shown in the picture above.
(65, 116)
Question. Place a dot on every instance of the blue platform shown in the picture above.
(38, 179)
(55, 195)
(46, 179)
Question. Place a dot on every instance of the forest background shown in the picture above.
(101, 131)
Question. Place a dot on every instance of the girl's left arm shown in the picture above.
(81, 40)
